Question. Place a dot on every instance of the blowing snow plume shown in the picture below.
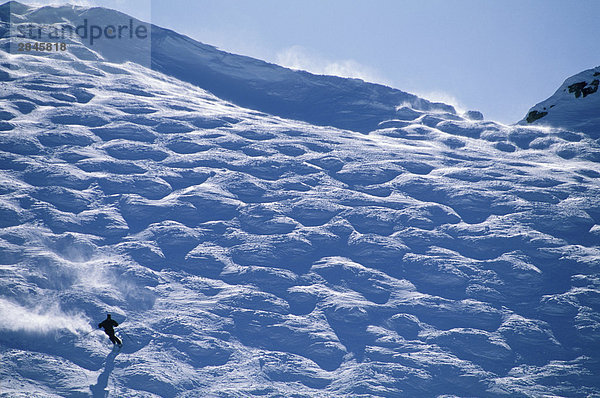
(40, 319)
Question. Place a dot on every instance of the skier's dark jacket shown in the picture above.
(108, 325)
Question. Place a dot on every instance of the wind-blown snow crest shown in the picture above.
(247, 254)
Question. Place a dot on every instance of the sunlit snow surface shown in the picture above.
(249, 255)
(574, 106)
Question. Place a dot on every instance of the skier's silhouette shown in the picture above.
(108, 324)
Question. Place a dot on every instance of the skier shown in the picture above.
(108, 325)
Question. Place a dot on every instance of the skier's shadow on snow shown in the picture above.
(99, 389)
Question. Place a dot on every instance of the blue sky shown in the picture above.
(499, 57)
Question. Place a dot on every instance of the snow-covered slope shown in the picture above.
(245, 254)
(574, 106)
(323, 100)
